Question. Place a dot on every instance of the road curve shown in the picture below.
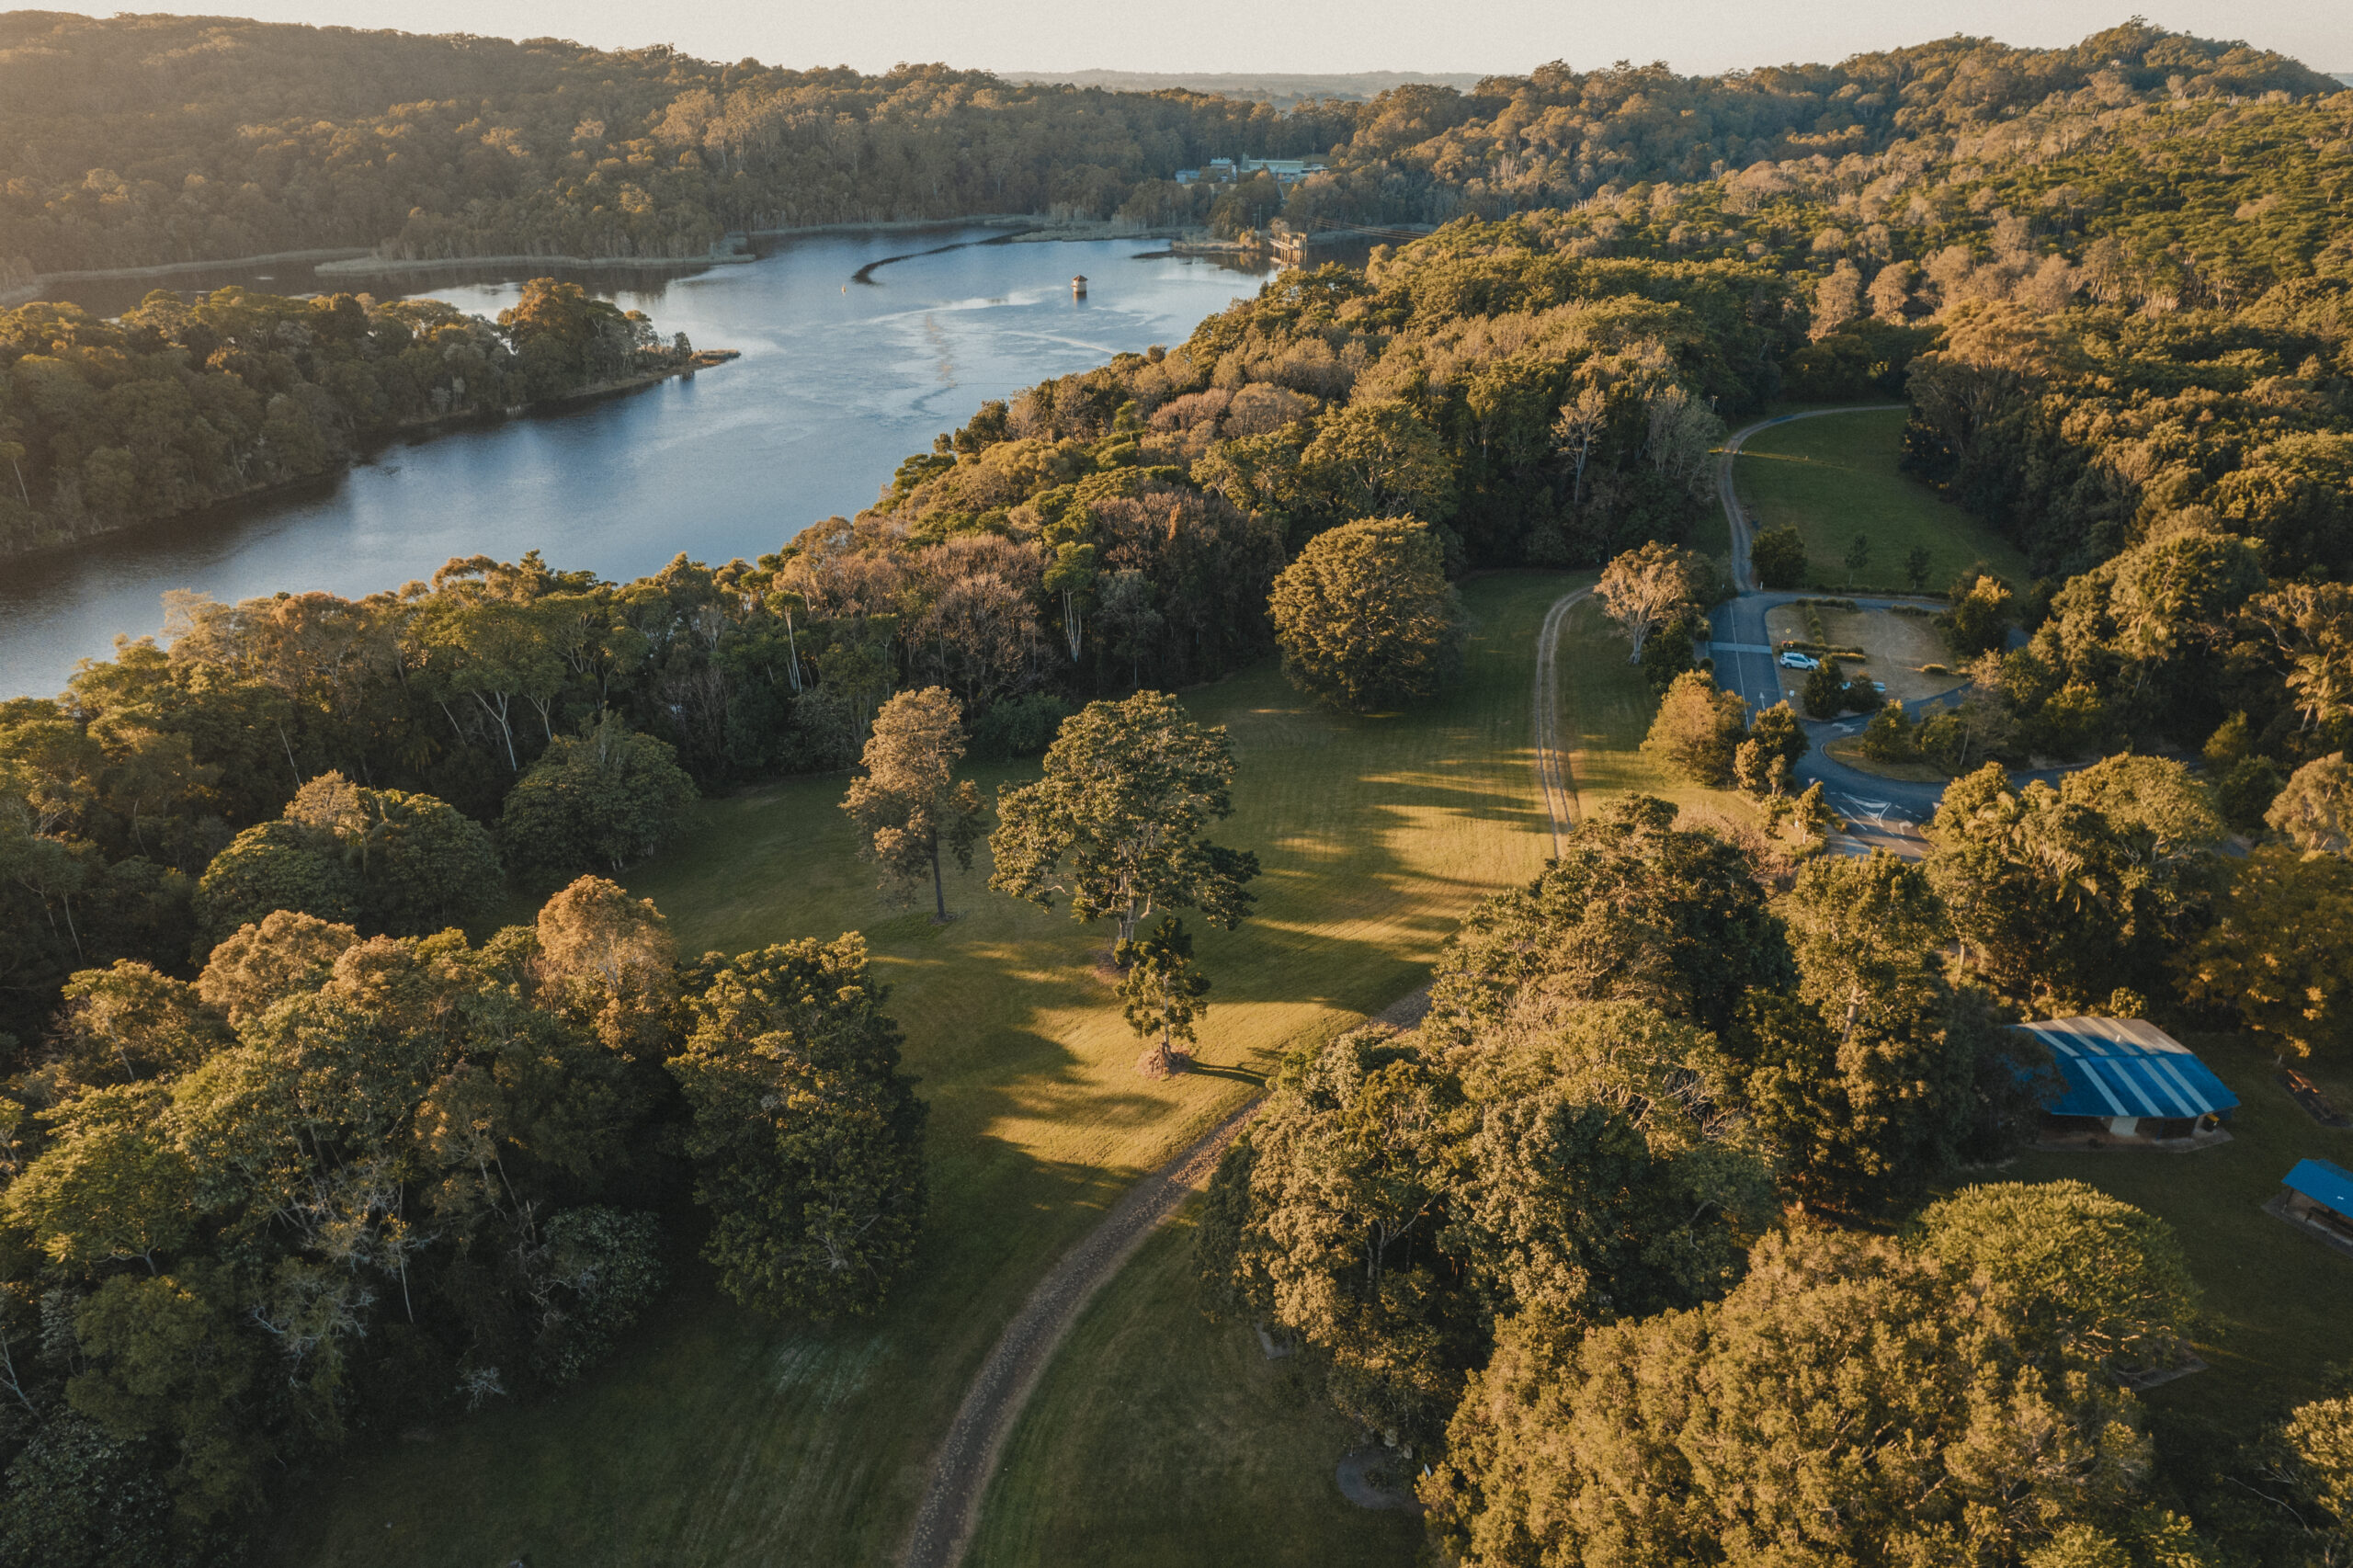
(1881, 812)
(968, 1456)
(1742, 582)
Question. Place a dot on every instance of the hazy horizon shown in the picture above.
(1328, 37)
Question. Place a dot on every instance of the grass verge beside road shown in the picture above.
(1161, 1440)
(721, 1437)
(1835, 476)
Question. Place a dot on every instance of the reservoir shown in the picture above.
(840, 380)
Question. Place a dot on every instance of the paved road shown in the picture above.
(1882, 813)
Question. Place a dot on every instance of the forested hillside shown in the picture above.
(273, 138)
(298, 1145)
(155, 139)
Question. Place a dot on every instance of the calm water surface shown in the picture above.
(837, 383)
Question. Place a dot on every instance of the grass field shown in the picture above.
(2278, 1301)
(1835, 476)
(1606, 709)
(721, 1437)
(1160, 1439)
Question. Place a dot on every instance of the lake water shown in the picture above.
(839, 381)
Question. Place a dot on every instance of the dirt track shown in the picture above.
(1553, 780)
(976, 1439)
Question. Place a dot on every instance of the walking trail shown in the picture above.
(976, 1439)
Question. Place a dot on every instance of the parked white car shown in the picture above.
(1793, 660)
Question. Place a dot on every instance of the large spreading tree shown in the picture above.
(1366, 616)
(1115, 824)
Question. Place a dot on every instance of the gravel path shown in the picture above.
(962, 1469)
(976, 1439)
(1553, 780)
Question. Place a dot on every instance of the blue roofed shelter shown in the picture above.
(2319, 1196)
(2125, 1080)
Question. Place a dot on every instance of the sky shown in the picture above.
(1504, 36)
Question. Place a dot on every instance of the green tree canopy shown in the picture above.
(1115, 824)
(908, 806)
(1365, 615)
(807, 1139)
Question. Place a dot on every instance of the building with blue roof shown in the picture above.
(2318, 1195)
(2127, 1079)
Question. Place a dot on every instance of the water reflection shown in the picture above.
(836, 384)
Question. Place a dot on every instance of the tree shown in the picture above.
(808, 1141)
(1777, 556)
(1161, 989)
(1858, 557)
(2317, 1450)
(2082, 1276)
(1633, 909)
(381, 860)
(1324, 1219)
(908, 806)
(2279, 952)
(1840, 1367)
(1115, 823)
(2315, 810)
(608, 960)
(1644, 588)
(602, 798)
(1365, 615)
(1917, 563)
(276, 865)
(1824, 695)
(1699, 729)
(1979, 620)
(1380, 458)
(2069, 894)
(256, 966)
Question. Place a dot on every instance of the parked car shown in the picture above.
(1793, 660)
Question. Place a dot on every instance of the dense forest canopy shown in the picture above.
(297, 1144)
(181, 402)
(153, 139)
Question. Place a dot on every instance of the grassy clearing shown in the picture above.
(1835, 476)
(1160, 1439)
(2277, 1300)
(1606, 709)
(721, 1437)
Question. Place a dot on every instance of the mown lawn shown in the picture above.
(2278, 1301)
(1607, 707)
(1161, 1440)
(721, 1437)
(1835, 477)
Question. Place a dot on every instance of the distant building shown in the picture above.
(1286, 171)
(2125, 1081)
(1188, 176)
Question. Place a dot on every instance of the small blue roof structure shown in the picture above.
(2329, 1186)
(2128, 1067)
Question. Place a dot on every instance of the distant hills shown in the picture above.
(1268, 87)
(2343, 76)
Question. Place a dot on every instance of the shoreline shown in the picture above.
(363, 261)
(26, 293)
(418, 429)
